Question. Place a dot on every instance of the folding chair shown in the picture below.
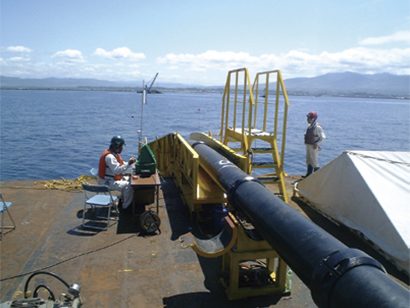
(94, 172)
(99, 199)
(4, 208)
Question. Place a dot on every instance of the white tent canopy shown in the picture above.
(367, 191)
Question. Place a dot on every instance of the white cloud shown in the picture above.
(369, 57)
(209, 57)
(21, 49)
(18, 59)
(208, 67)
(120, 53)
(70, 55)
(208, 60)
(294, 63)
(359, 59)
(398, 37)
(71, 69)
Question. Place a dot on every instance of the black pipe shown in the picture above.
(337, 275)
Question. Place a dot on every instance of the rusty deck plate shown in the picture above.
(119, 267)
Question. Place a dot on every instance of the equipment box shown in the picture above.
(146, 163)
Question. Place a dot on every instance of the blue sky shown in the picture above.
(190, 41)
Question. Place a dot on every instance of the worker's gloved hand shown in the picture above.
(131, 160)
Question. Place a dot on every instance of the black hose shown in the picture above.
(337, 275)
(51, 294)
(44, 273)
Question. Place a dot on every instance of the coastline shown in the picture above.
(206, 90)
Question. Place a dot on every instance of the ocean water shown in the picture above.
(60, 134)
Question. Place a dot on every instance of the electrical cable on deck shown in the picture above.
(69, 259)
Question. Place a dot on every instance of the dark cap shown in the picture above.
(117, 141)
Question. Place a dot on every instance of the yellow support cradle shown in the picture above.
(247, 120)
(250, 266)
(250, 254)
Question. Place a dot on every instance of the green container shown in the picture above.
(146, 163)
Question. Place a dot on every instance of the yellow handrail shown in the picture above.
(177, 158)
(280, 89)
(247, 98)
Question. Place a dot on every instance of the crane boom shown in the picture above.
(152, 83)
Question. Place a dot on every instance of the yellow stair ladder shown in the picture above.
(240, 122)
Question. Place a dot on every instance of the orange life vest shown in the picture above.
(102, 166)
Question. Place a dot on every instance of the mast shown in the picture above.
(145, 90)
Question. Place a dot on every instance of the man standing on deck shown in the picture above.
(313, 137)
(111, 169)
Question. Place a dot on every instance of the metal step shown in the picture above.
(263, 164)
(268, 178)
(259, 149)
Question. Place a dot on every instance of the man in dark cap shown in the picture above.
(111, 169)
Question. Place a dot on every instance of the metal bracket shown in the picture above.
(334, 266)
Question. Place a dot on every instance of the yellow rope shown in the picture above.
(67, 184)
(62, 184)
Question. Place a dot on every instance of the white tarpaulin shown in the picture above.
(367, 191)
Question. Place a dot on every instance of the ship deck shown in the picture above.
(119, 267)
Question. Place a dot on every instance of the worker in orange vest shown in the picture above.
(111, 170)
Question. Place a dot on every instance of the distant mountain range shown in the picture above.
(336, 84)
(352, 84)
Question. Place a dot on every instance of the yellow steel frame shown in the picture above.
(246, 109)
(239, 249)
(176, 158)
(247, 249)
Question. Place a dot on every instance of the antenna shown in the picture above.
(145, 90)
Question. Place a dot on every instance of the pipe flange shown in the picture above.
(334, 266)
(237, 183)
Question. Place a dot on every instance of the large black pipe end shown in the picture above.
(331, 272)
(366, 286)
